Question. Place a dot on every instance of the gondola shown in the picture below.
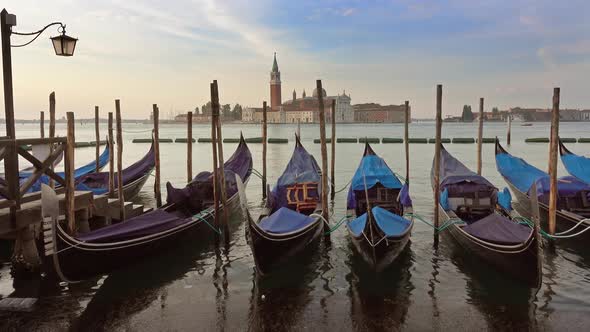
(134, 177)
(573, 194)
(578, 166)
(188, 211)
(482, 221)
(78, 172)
(377, 201)
(291, 222)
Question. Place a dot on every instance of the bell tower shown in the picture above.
(275, 86)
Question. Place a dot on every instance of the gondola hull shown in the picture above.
(520, 261)
(563, 222)
(74, 261)
(132, 189)
(384, 253)
(271, 250)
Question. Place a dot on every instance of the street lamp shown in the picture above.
(63, 44)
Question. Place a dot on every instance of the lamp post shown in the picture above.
(63, 45)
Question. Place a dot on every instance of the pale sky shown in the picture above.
(167, 52)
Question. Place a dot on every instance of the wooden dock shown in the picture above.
(86, 206)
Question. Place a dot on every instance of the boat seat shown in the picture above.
(303, 197)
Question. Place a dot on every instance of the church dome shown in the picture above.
(315, 93)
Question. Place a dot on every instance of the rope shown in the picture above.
(445, 225)
(218, 231)
(136, 131)
(345, 186)
(559, 235)
(338, 224)
(257, 173)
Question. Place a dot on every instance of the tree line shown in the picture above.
(227, 112)
(468, 115)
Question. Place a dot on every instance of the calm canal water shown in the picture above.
(196, 287)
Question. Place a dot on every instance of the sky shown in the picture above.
(511, 52)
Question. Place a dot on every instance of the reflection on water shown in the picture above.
(379, 301)
(196, 286)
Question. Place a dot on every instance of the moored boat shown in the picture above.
(573, 194)
(188, 211)
(134, 177)
(291, 222)
(482, 221)
(578, 166)
(377, 201)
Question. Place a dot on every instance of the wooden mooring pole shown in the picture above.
(215, 160)
(406, 139)
(189, 146)
(554, 142)
(333, 148)
(509, 128)
(51, 129)
(437, 149)
(215, 108)
(120, 195)
(97, 135)
(264, 150)
(111, 144)
(479, 136)
(322, 116)
(42, 124)
(69, 174)
(157, 186)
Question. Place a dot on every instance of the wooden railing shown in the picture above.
(12, 188)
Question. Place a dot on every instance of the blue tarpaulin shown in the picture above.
(578, 166)
(285, 220)
(505, 199)
(520, 173)
(453, 172)
(389, 223)
(373, 170)
(103, 159)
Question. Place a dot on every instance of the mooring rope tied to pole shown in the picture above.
(442, 227)
(559, 235)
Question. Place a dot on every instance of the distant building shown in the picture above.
(585, 115)
(197, 118)
(375, 113)
(304, 109)
(544, 114)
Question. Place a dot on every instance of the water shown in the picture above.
(196, 287)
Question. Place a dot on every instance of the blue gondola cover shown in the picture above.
(498, 229)
(285, 220)
(578, 166)
(391, 224)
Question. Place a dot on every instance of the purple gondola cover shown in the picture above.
(159, 220)
(498, 229)
(301, 168)
(99, 182)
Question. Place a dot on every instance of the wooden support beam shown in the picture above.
(157, 189)
(479, 136)
(553, 146)
(97, 135)
(69, 174)
(51, 127)
(264, 139)
(111, 143)
(215, 160)
(42, 124)
(509, 123)
(437, 149)
(189, 147)
(322, 116)
(40, 168)
(120, 195)
(215, 108)
(333, 150)
(406, 139)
